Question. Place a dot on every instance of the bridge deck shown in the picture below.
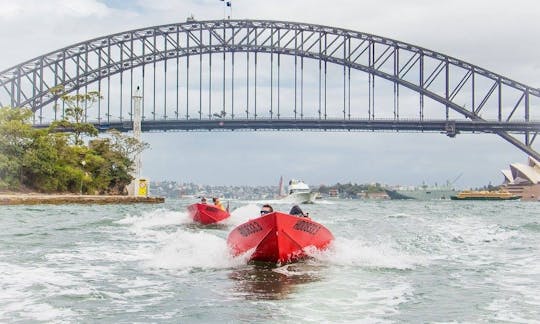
(449, 127)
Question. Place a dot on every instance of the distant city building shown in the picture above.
(173, 189)
(333, 193)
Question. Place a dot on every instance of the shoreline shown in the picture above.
(7, 199)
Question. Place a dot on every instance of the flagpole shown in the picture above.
(229, 4)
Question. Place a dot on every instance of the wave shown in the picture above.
(184, 246)
(243, 214)
(533, 227)
(156, 218)
(355, 252)
(188, 247)
(188, 251)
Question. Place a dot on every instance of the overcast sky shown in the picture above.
(501, 36)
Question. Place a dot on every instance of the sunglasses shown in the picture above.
(265, 212)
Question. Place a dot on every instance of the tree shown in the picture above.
(40, 161)
(16, 135)
(126, 145)
(113, 174)
(74, 115)
(51, 159)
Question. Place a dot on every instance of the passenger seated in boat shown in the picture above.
(297, 211)
(266, 209)
(203, 200)
(217, 203)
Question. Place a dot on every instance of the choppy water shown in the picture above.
(391, 262)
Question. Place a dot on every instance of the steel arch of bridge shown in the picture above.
(432, 75)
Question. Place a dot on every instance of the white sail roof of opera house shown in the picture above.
(533, 163)
(508, 177)
(523, 173)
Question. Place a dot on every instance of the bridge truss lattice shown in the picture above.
(256, 74)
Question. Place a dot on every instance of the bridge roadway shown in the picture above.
(449, 127)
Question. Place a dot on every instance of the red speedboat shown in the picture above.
(278, 237)
(207, 214)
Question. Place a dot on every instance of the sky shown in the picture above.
(500, 36)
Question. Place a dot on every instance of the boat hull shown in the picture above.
(301, 197)
(278, 238)
(485, 195)
(485, 198)
(421, 194)
(206, 214)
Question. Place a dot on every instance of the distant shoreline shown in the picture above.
(13, 198)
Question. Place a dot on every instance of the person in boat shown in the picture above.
(266, 209)
(297, 211)
(218, 203)
(203, 200)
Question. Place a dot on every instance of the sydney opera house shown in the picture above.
(523, 180)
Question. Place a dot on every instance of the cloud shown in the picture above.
(52, 9)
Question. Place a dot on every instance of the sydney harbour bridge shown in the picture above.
(273, 75)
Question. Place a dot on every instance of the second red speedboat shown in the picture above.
(207, 214)
(278, 238)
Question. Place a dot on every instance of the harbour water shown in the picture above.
(391, 262)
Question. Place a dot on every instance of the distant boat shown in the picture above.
(485, 195)
(206, 214)
(421, 193)
(298, 192)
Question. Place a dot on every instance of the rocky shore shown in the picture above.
(58, 199)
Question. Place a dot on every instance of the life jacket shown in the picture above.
(219, 205)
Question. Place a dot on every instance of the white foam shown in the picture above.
(184, 250)
(354, 252)
(358, 301)
(293, 270)
(243, 214)
(156, 218)
(18, 292)
(325, 202)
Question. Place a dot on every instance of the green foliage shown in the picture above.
(126, 145)
(74, 114)
(56, 160)
(15, 135)
(352, 190)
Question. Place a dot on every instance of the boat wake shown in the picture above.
(243, 214)
(180, 247)
(357, 253)
(183, 250)
(168, 240)
(156, 218)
